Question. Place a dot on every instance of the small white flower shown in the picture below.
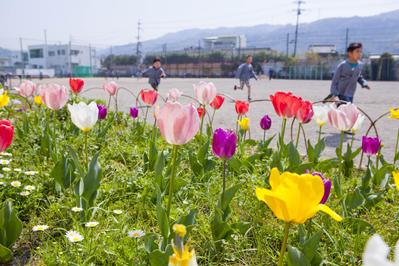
(17, 170)
(31, 173)
(91, 224)
(6, 154)
(77, 209)
(6, 169)
(4, 162)
(39, 228)
(30, 188)
(117, 211)
(135, 234)
(24, 193)
(74, 236)
(376, 253)
(3, 183)
(16, 183)
(1, 175)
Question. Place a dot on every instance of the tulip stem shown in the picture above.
(264, 136)
(283, 126)
(341, 142)
(213, 116)
(284, 244)
(318, 139)
(86, 149)
(396, 148)
(145, 117)
(202, 120)
(297, 136)
(172, 178)
(224, 180)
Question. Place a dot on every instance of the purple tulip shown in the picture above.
(224, 143)
(370, 145)
(134, 112)
(102, 111)
(266, 122)
(327, 187)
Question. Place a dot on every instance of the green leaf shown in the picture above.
(196, 167)
(234, 164)
(163, 221)
(202, 154)
(63, 172)
(228, 196)
(296, 257)
(354, 199)
(10, 230)
(158, 258)
(310, 246)
(158, 169)
(358, 225)
(76, 160)
(293, 155)
(149, 242)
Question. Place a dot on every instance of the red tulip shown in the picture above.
(305, 113)
(217, 102)
(201, 111)
(6, 134)
(149, 96)
(242, 107)
(281, 103)
(76, 85)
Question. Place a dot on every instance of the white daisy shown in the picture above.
(24, 193)
(117, 211)
(91, 224)
(1, 175)
(39, 228)
(3, 183)
(30, 188)
(74, 236)
(76, 209)
(17, 170)
(6, 154)
(135, 233)
(16, 183)
(31, 172)
(6, 169)
(4, 162)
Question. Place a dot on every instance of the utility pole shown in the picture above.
(298, 13)
(288, 44)
(22, 56)
(69, 56)
(164, 50)
(346, 39)
(90, 55)
(138, 44)
(45, 49)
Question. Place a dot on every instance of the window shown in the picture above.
(36, 53)
(51, 53)
(61, 52)
(74, 52)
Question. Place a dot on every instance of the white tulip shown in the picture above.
(377, 251)
(321, 114)
(84, 116)
(358, 123)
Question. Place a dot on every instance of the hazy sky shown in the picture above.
(111, 22)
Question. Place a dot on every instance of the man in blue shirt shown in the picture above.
(244, 73)
(155, 73)
(347, 75)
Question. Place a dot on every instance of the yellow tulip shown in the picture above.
(394, 113)
(244, 123)
(180, 230)
(183, 257)
(4, 99)
(38, 100)
(295, 198)
(395, 175)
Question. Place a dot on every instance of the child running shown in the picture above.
(244, 73)
(348, 73)
(155, 73)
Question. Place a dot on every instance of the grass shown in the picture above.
(127, 185)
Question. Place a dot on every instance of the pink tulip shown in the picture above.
(174, 94)
(343, 117)
(26, 89)
(111, 87)
(54, 96)
(178, 123)
(205, 92)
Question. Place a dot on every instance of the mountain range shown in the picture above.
(379, 33)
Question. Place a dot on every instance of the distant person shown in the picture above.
(155, 73)
(244, 73)
(271, 73)
(347, 75)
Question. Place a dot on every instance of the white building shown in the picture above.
(64, 58)
(322, 49)
(225, 42)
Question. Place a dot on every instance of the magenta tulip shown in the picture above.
(134, 112)
(266, 122)
(178, 123)
(102, 111)
(370, 145)
(224, 143)
(54, 96)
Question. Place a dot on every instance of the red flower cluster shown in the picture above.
(287, 105)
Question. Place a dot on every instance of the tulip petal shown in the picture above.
(327, 210)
